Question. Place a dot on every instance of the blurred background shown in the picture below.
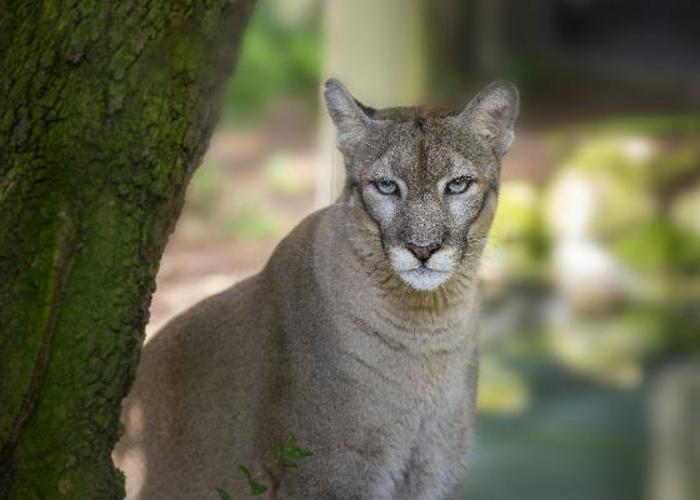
(590, 379)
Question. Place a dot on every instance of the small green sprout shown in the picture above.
(288, 454)
(256, 488)
(223, 495)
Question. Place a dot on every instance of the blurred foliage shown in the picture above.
(609, 349)
(518, 243)
(579, 441)
(282, 177)
(205, 190)
(659, 126)
(501, 389)
(644, 176)
(280, 59)
(251, 222)
(626, 194)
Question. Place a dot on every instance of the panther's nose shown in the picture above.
(423, 253)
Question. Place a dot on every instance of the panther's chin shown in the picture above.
(424, 279)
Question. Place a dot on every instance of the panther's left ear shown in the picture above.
(491, 115)
(353, 124)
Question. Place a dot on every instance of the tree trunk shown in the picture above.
(105, 110)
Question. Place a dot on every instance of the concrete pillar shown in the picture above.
(378, 49)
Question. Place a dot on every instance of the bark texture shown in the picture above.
(105, 111)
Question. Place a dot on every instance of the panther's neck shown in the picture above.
(357, 295)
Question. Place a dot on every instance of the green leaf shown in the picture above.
(255, 487)
(288, 454)
(223, 495)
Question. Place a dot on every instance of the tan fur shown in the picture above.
(328, 345)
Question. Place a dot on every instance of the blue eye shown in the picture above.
(387, 187)
(458, 185)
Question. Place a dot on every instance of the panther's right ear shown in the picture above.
(352, 123)
(492, 114)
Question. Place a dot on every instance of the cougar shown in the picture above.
(358, 339)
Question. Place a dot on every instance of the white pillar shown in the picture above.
(378, 49)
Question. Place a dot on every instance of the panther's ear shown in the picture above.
(353, 124)
(491, 115)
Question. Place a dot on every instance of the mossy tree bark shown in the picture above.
(105, 111)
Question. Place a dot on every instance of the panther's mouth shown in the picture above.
(422, 275)
(424, 278)
(424, 267)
